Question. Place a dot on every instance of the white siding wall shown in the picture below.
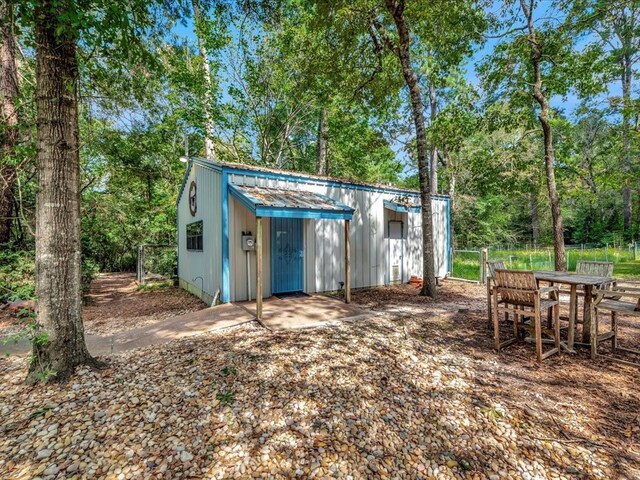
(241, 220)
(206, 264)
(324, 239)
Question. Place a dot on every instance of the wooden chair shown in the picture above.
(586, 267)
(517, 292)
(492, 266)
(597, 269)
(611, 300)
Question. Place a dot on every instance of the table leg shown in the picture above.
(490, 316)
(573, 313)
(586, 314)
(549, 312)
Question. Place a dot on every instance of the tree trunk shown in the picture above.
(9, 120)
(627, 200)
(206, 72)
(452, 199)
(403, 53)
(58, 260)
(322, 167)
(434, 151)
(549, 154)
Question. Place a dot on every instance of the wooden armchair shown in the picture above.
(492, 266)
(517, 292)
(617, 299)
(584, 267)
(598, 269)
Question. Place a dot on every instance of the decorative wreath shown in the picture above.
(193, 206)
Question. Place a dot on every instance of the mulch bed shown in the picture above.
(416, 392)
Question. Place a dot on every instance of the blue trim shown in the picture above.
(184, 181)
(400, 208)
(308, 178)
(178, 241)
(242, 198)
(290, 212)
(280, 212)
(331, 183)
(449, 248)
(226, 283)
(201, 163)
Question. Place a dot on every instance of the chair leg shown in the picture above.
(537, 321)
(489, 305)
(516, 322)
(594, 328)
(556, 326)
(496, 322)
(549, 312)
(614, 327)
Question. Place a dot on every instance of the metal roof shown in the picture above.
(402, 205)
(301, 177)
(278, 202)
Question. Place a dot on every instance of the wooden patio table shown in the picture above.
(574, 280)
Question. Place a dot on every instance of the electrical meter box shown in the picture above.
(248, 242)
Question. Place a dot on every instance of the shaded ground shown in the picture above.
(416, 392)
(115, 304)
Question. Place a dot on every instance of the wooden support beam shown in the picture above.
(259, 268)
(347, 263)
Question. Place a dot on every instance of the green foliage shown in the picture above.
(17, 275)
(153, 286)
(276, 65)
(17, 271)
(225, 398)
(226, 371)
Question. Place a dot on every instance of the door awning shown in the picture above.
(401, 206)
(278, 202)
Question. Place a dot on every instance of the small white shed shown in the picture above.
(305, 222)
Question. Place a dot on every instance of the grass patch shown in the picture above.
(150, 287)
(467, 264)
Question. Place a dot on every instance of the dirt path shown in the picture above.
(115, 304)
(118, 317)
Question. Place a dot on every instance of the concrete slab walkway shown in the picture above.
(304, 312)
(300, 312)
(194, 323)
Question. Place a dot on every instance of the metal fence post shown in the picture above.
(635, 250)
(140, 264)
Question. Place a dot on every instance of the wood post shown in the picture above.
(347, 263)
(573, 314)
(586, 314)
(484, 258)
(259, 268)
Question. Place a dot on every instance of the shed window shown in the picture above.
(194, 236)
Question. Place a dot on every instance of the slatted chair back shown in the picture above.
(598, 269)
(495, 265)
(517, 287)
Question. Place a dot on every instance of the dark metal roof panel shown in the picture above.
(278, 197)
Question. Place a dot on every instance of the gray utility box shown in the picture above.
(248, 242)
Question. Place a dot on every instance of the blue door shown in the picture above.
(287, 255)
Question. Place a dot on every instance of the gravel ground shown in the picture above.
(416, 392)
